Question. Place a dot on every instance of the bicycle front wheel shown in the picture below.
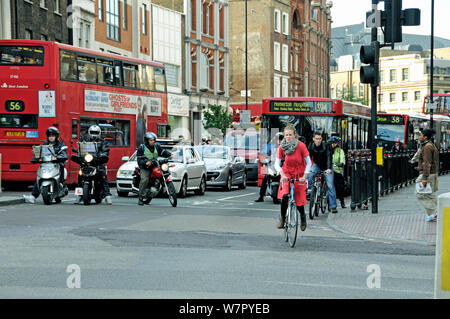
(292, 223)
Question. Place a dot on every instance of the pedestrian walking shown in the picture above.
(428, 165)
(338, 159)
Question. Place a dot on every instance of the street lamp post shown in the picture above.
(246, 60)
(432, 63)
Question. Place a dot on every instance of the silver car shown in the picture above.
(223, 170)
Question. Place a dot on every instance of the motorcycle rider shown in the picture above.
(94, 135)
(146, 153)
(61, 158)
(272, 154)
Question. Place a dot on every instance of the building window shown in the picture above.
(277, 20)
(380, 98)
(339, 91)
(276, 56)
(284, 61)
(344, 96)
(296, 62)
(381, 76)
(28, 34)
(100, 10)
(42, 4)
(112, 20)
(284, 87)
(172, 75)
(405, 74)
(124, 15)
(392, 75)
(44, 37)
(417, 96)
(204, 72)
(57, 6)
(144, 19)
(391, 97)
(285, 23)
(404, 96)
(88, 35)
(276, 86)
(313, 14)
(361, 90)
(332, 93)
(355, 90)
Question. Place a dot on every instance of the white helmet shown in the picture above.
(94, 132)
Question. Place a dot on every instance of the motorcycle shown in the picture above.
(273, 182)
(90, 174)
(48, 174)
(159, 181)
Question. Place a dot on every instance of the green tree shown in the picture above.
(218, 117)
(352, 98)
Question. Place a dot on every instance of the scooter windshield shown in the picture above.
(88, 147)
(47, 153)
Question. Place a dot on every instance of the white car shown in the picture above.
(188, 172)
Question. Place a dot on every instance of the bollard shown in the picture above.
(442, 268)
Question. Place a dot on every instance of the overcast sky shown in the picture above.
(346, 12)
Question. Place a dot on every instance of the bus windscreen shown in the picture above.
(22, 55)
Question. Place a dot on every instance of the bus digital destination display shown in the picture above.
(301, 106)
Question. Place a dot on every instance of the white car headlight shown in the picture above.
(124, 173)
(88, 158)
(165, 167)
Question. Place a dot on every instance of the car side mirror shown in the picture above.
(125, 158)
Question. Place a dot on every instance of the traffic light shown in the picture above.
(393, 18)
(393, 24)
(369, 55)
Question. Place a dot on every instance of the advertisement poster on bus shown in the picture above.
(141, 106)
(47, 104)
(109, 102)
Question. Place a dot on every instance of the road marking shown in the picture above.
(222, 208)
(348, 287)
(237, 196)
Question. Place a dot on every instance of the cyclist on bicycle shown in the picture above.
(296, 165)
(338, 168)
(321, 154)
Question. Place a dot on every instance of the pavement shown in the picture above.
(400, 217)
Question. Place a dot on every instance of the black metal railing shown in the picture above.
(396, 172)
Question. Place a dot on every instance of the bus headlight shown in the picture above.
(88, 158)
(165, 167)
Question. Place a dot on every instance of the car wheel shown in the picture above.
(244, 181)
(183, 188)
(202, 188)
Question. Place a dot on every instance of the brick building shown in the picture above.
(288, 48)
(37, 20)
(206, 57)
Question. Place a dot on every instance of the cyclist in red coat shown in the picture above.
(296, 165)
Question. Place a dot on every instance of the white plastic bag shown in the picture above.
(420, 189)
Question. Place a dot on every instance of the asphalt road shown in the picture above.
(220, 245)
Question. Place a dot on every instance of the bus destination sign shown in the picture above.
(390, 119)
(303, 106)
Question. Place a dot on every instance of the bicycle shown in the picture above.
(291, 220)
(318, 197)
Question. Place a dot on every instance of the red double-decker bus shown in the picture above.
(46, 84)
(348, 120)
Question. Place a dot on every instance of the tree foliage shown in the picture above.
(216, 116)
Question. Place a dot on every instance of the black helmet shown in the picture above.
(94, 132)
(149, 136)
(52, 131)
